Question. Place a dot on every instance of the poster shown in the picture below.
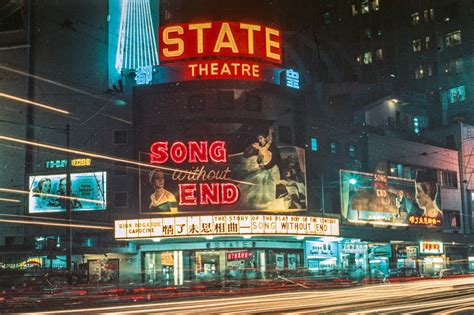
(240, 182)
(47, 193)
(291, 261)
(104, 271)
(383, 199)
(279, 261)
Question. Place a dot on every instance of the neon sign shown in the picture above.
(431, 247)
(192, 193)
(238, 255)
(63, 163)
(229, 39)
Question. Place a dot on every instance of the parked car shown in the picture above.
(403, 274)
(449, 273)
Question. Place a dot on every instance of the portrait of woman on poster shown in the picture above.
(40, 194)
(161, 200)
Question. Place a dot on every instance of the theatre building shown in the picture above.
(222, 178)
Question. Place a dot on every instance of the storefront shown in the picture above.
(179, 259)
(353, 257)
(379, 259)
(432, 257)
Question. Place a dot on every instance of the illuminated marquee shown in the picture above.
(226, 225)
(240, 44)
(431, 247)
(214, 193)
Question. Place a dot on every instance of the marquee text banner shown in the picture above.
(226, 225)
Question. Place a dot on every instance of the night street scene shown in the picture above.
(236, 156)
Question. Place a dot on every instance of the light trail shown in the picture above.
(40, 218)
(72, 225)
(10, 200)
(25, 192)
(24, 100)
(105, 157)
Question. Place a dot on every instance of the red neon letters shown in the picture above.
(194, 152)
(195, 193)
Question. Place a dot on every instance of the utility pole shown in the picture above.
(68, 203)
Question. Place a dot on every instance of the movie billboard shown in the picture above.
(208, 176)
(382, 199)
(48, 192)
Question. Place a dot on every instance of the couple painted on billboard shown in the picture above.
(278, 183)
(401, 199)
(42, 198)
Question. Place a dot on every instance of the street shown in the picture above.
(454, 296)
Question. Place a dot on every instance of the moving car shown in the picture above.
(403, 275)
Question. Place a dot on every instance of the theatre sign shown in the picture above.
(219, 50)
(226, 225)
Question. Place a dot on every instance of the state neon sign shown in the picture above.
(220, 50)
(198, 185)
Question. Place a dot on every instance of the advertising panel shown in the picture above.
(382, 199)
(48, 192)
(220, 225)
(202, 177)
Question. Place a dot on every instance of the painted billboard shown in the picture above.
(210, 176)
(48, 192)
(382, 199)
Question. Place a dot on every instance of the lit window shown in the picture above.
(431, 14)
(375, 5)
(426, 15)
(427, 42)
(415, 18)
(454, 66)
(379, 54)
(368, 57)
(367, 32)
(333, 148)
(352, 151)
(416, 45)
(355, 11)
(314, 144)
(457, 94)
(365, 6)
(452, 39)
(429, 70)
(359, 59)
(419, 72)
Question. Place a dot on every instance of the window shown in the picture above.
(368, 58)
(452, 219)
(225, 100)
(359, 59)
(428, 15)
(379, 54)
(352, 151)
(427, 42)
(416, 125)
(415, 18)
(454, 66)
(253, 103)
(367, 32)
(447, 179)
(327, 17)
(284, 134)
(120, 199)
(419, 72)
(452, 39)
(48, 242)
(355, 10)
(429, 70)
(333, 148)
(364, 6)
(457, 94)
(89, 241)
(196, 103)
(416, 45)
(374, 5)
(120, 137)
(314, 144)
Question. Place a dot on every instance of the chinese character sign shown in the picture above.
(144, 75)
(292, 79)
(226, 225)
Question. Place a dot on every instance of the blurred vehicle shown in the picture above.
(403, 274)
(450, 273)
